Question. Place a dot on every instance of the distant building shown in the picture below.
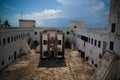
(76, 24)
(27, 23)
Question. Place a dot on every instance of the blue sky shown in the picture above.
(57, 13)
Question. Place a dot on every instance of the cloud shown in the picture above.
(40, 17)
(46, 14)
(99, 5)
(8, 7)
(106, 13)
(93, 12)
(64, 2)
(61, 1)
(69, 2)
(88, 10)
(96, 3)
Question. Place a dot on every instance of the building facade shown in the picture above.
(91, 43)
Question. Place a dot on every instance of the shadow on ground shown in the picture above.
(14, 74)
(52, 63)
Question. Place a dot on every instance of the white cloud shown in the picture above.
(67, 2)
(8, 7)
(107, 12)
(99, 6)
(46, 14)
(89, 10)
(40, 17)
(61, 1)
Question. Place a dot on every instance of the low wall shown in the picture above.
(108, 68)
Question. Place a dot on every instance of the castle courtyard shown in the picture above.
(29, 67)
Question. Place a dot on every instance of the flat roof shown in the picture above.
(26, 20)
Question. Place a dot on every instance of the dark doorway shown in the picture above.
(15, 56)
(83, 54)
(87, 58)
(46, 53)
(68, 44)
(92, 62)
(111, 47)
(29, 41)
(52, 54)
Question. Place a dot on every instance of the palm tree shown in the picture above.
(1, 23)
(6, 23)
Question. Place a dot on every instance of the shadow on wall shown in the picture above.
(82, 54)
(35, 43)
(67, 44)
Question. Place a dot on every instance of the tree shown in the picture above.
(6, 23)
(1, 23)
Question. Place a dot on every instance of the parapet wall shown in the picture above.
(109, 68)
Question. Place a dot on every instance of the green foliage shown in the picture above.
(4, 23)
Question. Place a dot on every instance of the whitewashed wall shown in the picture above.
(27, 23)
(44, 47)
(93, 51)
(19, 45)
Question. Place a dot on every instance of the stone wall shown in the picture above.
(115, 16)
(109, 68)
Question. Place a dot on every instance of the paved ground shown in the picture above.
(29, 67)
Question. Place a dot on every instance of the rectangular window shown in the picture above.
(52, 40)
(0, 42)
(75, 26)
(4, 41)
(2, 63)
(113, 27)
(84, 38)
(19, 36)
(59, 42)
(95, 42)
(8, 40)
(12, 38)
(89, 40)
(99, 44)
(20, 50)
(87, 58)
(92, 41)
(35, 33)
(68, 32)
(9, 58)
(45, 42)
(111, 45)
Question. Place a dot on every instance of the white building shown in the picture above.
(13, 43)
(27, 23)
(91, 43)
(51, 44)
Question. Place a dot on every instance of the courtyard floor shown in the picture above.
(29, 67)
